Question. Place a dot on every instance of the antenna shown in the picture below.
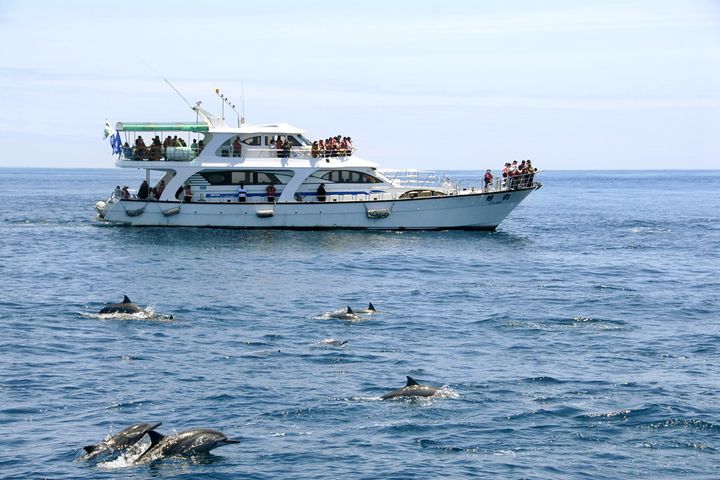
(230, 104)
(166, 81)
(242, 99)
(176, 91)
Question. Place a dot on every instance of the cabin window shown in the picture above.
(349, 176)
(215, 178)
(253, 141)
(236, 178)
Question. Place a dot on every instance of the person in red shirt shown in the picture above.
(270, 190)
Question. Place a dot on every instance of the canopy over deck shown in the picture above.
(161, 127)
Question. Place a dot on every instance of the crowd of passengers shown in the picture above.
(145, 192)
(337, 146)
(157, 149)
(514, 175)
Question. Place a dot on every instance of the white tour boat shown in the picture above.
(216, 175)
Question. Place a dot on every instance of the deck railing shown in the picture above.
(188, 154)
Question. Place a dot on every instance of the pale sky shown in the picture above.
(445, 85)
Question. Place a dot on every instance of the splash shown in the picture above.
(146, 314)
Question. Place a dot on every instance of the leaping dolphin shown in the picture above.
(200, 440)
(412, 389)
(122, 440)
(127, 306)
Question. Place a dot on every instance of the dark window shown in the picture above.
(349, 176)
(238, 177)
(216, 178)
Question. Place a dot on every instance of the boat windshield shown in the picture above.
(303, 140)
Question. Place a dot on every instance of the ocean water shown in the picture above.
(580, 340)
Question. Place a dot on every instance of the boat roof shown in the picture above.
(161, 127)
(270, 128)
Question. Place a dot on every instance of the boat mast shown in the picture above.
(231, 105)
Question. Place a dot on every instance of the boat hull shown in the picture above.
(476, 211)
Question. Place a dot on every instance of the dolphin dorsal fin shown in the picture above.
(126, 299)
(371, 307)
(89, 448)
(155, 437)
(411, 381)
(350, 311)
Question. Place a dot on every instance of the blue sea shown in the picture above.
(579, 340)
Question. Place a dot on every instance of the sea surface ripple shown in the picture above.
(580, 340)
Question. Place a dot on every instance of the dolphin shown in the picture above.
(126, 306)
(199, 440)
(122, 440)
(369, 310)
(333, 342)
(344, 314)
(412, 389)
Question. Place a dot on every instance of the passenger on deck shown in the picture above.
(315, 149)
(529, 173)
(127, 151)
(141, 150)
(488, 178)
(298, 197)
(273, 147)
(125, 192)
(160, 188)
(280, 147)
(143, 190)
(167, 142)
(321, 193)
(155, 152)
(321, 148)
(118, 192)
(201, 145)
(505, 172)
(287, 149)
(344, 150)
(242, 193)
(181, 143)
(236, 147)
(513, 174)
(188, 193)
(270, 190)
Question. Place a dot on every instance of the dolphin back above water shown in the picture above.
(412, 389)
(127, 306)
(200, 440)
(369, 310)
(120, 441)
(347, 314)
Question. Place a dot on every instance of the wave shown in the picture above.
(146, 314)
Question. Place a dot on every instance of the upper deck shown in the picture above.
(203, 144)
